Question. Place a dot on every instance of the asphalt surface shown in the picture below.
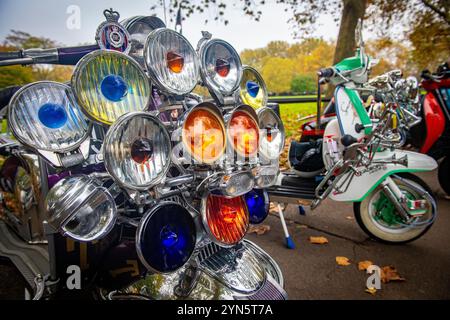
(311, 272)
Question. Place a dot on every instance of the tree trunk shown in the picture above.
(352, 11)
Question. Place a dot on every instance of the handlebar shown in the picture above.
(326, 72)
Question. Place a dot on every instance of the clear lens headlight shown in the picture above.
(80, 208)
(221, 66)
(171, 61)
(243, 131)
(236, 184)
(139, 28)
(165, 238)
(137, 151)
(225, 219)
(44, 116)
(258, 205)
(203, 133)
(108, 84)
(253, 88)
(272, 134)
(266, 175)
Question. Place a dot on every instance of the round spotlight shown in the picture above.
(258, 205)
(272, 133)
(165, 238)
(108, 84)
(243, 131)
(253, 91)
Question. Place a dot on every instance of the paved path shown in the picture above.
(311, 271)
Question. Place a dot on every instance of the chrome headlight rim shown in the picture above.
(112, 131)
(210, 83)
(204, 219)
(148, 56)
(261, 83)
(212, 108)
(82, 64)
(281, 129)
(12, 121)
(77, 198)
(140, 233)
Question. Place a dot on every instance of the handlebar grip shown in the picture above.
(359, 127)
(71, 55)
(326, 72)
(10, 55)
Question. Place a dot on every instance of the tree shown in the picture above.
(305, 14)
(278, 73)
(304, 84)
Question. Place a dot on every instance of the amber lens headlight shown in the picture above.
(203, 133)
(171, 61)
(137, 151)
(253, 88)
(80, 208)
(43, 115)
(243, 131)
(221, 66)
(272, 133)
(108, 84)
(225, 219)
(165, 238)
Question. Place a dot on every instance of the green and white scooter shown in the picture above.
(390, 203)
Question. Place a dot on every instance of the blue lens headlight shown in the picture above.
(258, 205)
(52, 115)
(166, 237)
(114, 88)
(252, 88)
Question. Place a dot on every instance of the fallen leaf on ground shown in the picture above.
(318, 240)
(372, 291)
(349, 218)
(259, 229)
(304, 202)
(389, 273)
(342, 261)
(301, 226)
(363, 265)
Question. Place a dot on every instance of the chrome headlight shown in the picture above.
(253, 89)
(203, 133)
(243, 131)
(137, 151)
(225, 219)
(266, 175)
(166, 237)
(108, 84)
(80, 208)
(272, 134)
(258, 205)
(171, 61)
(44, 116)
(221, 66)
(139, 28)
(236, 184)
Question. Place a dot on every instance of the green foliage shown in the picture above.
(15, 75)
(302, 84)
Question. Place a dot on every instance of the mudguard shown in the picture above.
(362, 185)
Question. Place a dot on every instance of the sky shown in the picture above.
(49, 19)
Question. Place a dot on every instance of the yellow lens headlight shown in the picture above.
(108, 84)
(253, 88)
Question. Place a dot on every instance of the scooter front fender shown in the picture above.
(362, 185)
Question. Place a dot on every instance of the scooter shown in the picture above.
(363, 167)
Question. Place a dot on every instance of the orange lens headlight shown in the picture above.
(175, 62)
(244, 133)
(203, 134)
(227, 219)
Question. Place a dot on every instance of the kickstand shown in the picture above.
(289, 242)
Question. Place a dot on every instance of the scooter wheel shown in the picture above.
(385, 228)
(444, 175)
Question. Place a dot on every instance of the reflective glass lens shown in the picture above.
(166, 237)
(222, 69)
(226, 218)
(272, 133)
(253, 90)
(171, 61)
(137, 150)
(243, 133)
(258, 205)
(203, 134)
(45, 116)
(108, 84)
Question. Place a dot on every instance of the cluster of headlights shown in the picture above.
(112, 89)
